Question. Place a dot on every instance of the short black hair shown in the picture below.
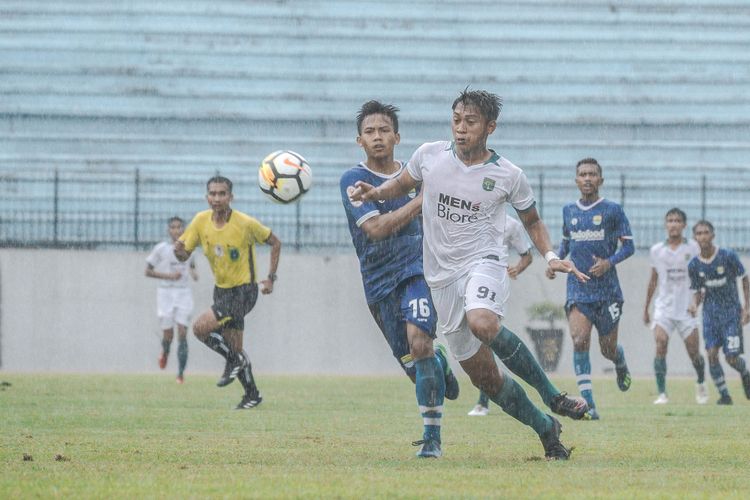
(374, 107)
(175, 218)
(677, 211)
(704, 222)
(218, 179)
(590, 161)
(488, 104)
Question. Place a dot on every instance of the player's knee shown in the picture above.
(733, 361)
(485, 328)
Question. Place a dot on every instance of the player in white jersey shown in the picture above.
(669, 270)
(174, 299)
(465, 188)
(515, 237)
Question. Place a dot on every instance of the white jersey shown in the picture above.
(163, 260)
(515, 236)
(673, 296)
(464, 209)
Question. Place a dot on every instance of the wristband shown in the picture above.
(549, 256)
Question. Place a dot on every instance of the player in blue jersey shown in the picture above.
(593, 228)
(387, 236)
(713, 279)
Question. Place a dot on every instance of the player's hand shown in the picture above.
(513, 272)
(179, 251)
(646, 317)
(600, 267)
(566, 266)
(174, 276)
(745, 316)
(550, 273)
(266, 287)
(362, 192)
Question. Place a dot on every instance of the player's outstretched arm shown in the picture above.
(539, 235)
(267, 284)
(392, 188)
(383, 226)
(521, 266)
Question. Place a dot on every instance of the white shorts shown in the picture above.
(485, 286)
(684, 327)
(173, 305)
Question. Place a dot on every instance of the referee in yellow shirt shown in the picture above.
(228, 238)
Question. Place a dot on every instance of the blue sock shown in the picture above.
(582, 365)
(182, 355)
(430, 394)
(717, 373)
(620, 358)
(739, 365)
(516, 356)
(660, 369)
(514, 401)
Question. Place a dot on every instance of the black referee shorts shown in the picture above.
(232, 304)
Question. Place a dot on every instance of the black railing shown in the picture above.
(64, 209)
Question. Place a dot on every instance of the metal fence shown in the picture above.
(94, 209)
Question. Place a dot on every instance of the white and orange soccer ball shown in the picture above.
(284, 176)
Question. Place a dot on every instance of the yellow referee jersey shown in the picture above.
(231, 249)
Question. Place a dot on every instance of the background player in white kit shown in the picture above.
(669, 269)
(465, 188)
(174, 299)
(515, 237)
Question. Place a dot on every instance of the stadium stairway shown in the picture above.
(187, 88)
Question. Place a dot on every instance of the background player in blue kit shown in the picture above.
(592, 229)
(387, 236)
(713, 278)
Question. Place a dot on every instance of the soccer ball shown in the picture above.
(284, 176)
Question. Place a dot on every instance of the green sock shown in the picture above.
(513, 400)
(182, 355)
(660, 369)
(516, 356)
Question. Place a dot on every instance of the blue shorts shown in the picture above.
(604, 315)
(409, 302)
(724, 331)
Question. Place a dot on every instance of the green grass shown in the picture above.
(336, 437)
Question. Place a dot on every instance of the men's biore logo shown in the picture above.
(447, 202)
(587, 235)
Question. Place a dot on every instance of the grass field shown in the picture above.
(334, 437)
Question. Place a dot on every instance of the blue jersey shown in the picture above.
(589, 231)
(718, 278)
(385, 263)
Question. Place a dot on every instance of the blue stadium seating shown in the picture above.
(655, 89)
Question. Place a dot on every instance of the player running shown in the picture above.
(465, 188)
(387, 236)
(174, 299)
(515, 237)
(228, 238)
(713, 279)
(669, 269)
(592, 229)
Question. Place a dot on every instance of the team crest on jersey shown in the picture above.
(219, 251)
(720, 269)
(687, 257)
(488, 184)
(574, 221)
(234, 253)
(597, 219)
(413, 194)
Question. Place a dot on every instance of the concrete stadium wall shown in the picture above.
(88, 311)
